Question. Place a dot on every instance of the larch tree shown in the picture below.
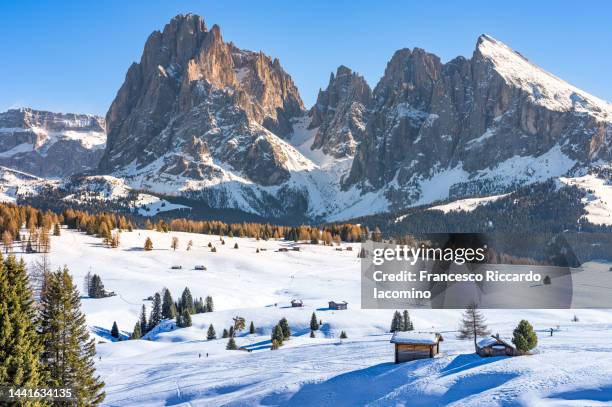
(68, 352)
(175, 243)
(473, 324)
(148, 246)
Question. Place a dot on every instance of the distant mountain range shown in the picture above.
(201, 119)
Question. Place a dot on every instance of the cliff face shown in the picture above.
(51, 145)
(340, 112)
(195, 103)
(489, 123)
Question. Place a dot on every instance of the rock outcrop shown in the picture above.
(340, 112)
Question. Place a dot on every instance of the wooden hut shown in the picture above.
(297, 303)
(338, 305)
(495, 346)
(410, 345)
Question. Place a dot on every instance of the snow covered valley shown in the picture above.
(178, 366)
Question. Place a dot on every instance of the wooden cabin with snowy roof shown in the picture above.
(338, 305)
(495, 346)
(410, 345)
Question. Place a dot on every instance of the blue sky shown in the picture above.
(72, 56)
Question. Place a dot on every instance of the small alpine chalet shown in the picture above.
(410, 345)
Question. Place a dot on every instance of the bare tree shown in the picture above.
(39, 273)
(175, 243)
(472, 324)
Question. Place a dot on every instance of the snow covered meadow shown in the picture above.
(178, 366)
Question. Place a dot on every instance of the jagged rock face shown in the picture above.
(479, 116)
(340, 113)
(51, 145)
(195, 103)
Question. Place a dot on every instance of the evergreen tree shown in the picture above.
(185, 319)
(251, 328)
(209, 304)
(314, 324)
(168, 307)
(312, 334)
(20, 345)
(231, 344)
(156, 312)
(115, 330)
(136, 334)
(524, 337)
(68, 350)
(396, 322)
(235, 245)
(406, 322)
(343, 335)
(148, 246)
(472, 324)
(211, 334)
(187, 301)
(285, 328)
(143, 320)
(232, 331)
(277, 334)
(225, 333)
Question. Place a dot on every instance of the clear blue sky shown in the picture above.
(72, 56)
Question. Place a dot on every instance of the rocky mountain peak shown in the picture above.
(339, 113)
(191, 83)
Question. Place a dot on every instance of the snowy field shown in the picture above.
(571, 368)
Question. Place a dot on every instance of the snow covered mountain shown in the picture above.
(51, 145)
(476, 126)
(202, 119)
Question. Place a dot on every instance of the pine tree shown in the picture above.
(68, 350)
(211, 334)
(148, 246)
(168, 307)
(312, 334)
(251, 328)
(406, 322)
(472, 324)
(185, 319)
(115, 330)
(225, 333)
(524, 337)
(343, 335)
(231, 344)
(285, 327)
(277, 334)
(187, 301)
(156, 312)
(143, 320)
(136, 334)
(210, 307)
(232, 331)
(396, 322)
(236, 245)
(314, 324)
(20, 345)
